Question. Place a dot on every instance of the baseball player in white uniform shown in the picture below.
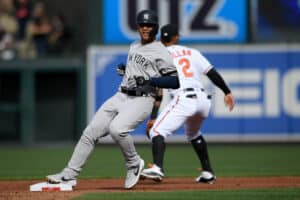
(130, 106)
(189, 106)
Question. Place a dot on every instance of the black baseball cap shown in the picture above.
(168, 31)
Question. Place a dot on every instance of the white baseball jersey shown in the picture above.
(190, 104)
(190, 64)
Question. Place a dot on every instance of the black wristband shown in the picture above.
(158, 98)
(154, 112)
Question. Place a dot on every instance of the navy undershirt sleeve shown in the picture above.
(165, 82)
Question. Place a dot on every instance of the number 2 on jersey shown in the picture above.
(185, 64)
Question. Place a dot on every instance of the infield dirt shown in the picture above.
(13, 190)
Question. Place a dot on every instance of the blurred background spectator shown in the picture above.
(59, 36)
(39, 28)
(8, 30)
(28, 32)
(31, 29)
(22, 13)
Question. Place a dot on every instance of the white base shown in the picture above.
(46, 187)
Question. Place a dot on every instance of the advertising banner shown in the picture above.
(199, 21)
(264, 79)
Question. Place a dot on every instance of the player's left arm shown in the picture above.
(168, 73)
(218, 80)
(167, 81)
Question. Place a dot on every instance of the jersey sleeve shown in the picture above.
(165, 64)
(204, 64)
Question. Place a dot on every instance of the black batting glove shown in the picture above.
(121, 69)
(141, 81)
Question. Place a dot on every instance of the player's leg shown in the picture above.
(133, 112)
(192, 127)
(97, 128)
(168, 121)
(155, 171)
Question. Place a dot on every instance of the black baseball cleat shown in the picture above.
(206, 177)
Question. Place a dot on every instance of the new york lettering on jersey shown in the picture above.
(138, 59)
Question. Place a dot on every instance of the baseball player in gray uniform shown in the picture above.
(189, 106)
(148, 63)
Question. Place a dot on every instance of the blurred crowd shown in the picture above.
(27, 32)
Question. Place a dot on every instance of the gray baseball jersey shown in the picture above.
(151, 60)
(124, 111)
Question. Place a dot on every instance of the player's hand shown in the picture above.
(121, 69)
(229, 101)
(141, 81)
(150, 123)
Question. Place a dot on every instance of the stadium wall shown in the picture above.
(264, 78)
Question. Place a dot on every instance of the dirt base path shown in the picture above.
(20, 189)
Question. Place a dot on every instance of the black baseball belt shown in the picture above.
(194, 96)
(135, 93)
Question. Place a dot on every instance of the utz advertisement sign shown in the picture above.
(200, 21)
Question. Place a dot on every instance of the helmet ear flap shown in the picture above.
(154, 31)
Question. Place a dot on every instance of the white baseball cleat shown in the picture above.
(206, 177)
(133, 175)
(61, 178)
(155, 173)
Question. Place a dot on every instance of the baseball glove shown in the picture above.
(121, 69)
(141, 81)
(150, 123)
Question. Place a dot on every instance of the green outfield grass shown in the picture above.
(180, 161)
(257, 194)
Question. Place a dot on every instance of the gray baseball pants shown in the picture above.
(118, 116)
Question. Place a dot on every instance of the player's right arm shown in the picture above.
(154, 113)
(121, 67)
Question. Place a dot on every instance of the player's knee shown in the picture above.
(113, 131)
(118, 135)
(192, 136)
(95, 132)
(116, 131)
(154, 133)
(199, 140)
